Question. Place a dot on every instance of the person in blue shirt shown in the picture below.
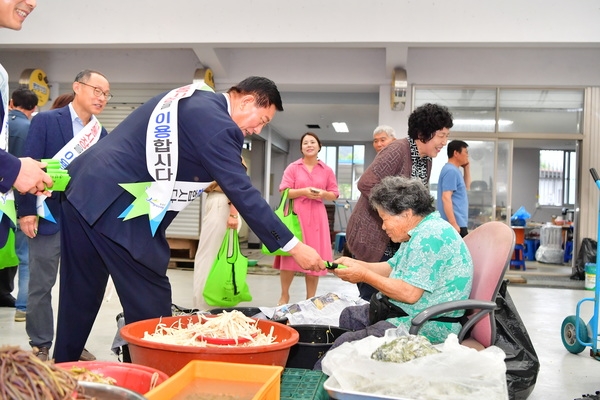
(23, 104)
(452, 200)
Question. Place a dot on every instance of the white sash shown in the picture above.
(7, 200)
(4, 95)
(86, 138)
(4, 132)
(162, 159)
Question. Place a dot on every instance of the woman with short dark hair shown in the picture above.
(428, 131)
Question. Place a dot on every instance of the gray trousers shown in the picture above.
(356, 318)
(44, 255)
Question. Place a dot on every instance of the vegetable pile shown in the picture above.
(85, 375)
(24, 376)
(234, 325)
(404, 348)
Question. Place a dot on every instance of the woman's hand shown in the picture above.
(233, 221)
(234, 217)
(313, 193)
(354, 272)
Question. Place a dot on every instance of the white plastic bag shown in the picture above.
(458, 372)
(321, 310)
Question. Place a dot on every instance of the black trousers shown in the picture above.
(7, 285)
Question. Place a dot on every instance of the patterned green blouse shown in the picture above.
(435, 259)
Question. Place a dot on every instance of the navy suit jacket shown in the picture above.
(9, 164)
(210, 147)
(9, 169)
(18, 127)
(49, 132)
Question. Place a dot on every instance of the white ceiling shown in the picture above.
(315, 112)
(327, 69)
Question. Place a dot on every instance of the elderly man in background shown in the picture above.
(382, 136)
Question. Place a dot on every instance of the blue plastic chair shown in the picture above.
(518, 260)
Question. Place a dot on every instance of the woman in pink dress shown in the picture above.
(310, 182)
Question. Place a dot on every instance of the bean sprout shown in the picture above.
(227, 325)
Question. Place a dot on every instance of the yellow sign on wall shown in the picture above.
(206, 75)
(37, 81)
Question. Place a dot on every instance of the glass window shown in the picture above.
(519, 110)
(473, 110)
(541, 110)
(490, 168)
(348, 163)
(558, 178)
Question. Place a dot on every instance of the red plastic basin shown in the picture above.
(129, 376)
(171, 358)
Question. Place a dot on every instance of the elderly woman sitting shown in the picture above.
(432, 266)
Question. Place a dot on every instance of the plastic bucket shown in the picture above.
(590, 276)
(170, 358)
(138, 378)
(314, 342)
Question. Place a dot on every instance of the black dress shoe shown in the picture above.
(7, 301)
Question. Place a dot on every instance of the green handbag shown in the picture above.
(286, 214)
(8, 255)
(226, 283)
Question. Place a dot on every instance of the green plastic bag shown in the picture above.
(286, 214)
(8, 253)
(226, 283)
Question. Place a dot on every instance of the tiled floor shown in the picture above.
(562, 375)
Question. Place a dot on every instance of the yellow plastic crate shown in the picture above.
(213, 378)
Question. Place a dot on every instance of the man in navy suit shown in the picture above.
(63, 134)
(25, 174)
(115, 215)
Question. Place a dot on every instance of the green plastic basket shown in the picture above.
(304, 384)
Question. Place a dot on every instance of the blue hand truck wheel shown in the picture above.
(569, 330)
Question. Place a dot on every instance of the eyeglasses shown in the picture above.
(98, 92)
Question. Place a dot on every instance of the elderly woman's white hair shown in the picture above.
(387, 129)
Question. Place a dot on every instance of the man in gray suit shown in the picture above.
(62, 133)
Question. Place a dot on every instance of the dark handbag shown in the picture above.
(381, 308)
(522, 363)
(286, 214)
(226, 283)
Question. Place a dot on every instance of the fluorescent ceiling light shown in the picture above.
(480, 122)
(340, 127)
